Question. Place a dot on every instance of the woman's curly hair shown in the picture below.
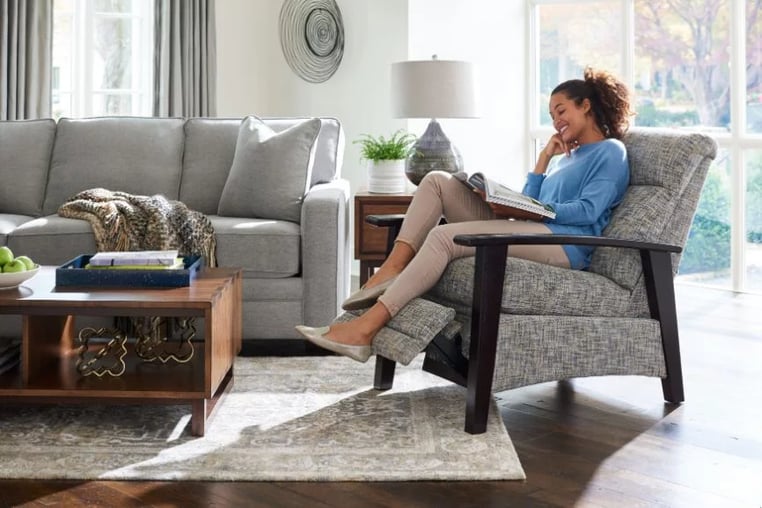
(609, 99)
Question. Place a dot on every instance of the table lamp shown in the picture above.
(433, 89)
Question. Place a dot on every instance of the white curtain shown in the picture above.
(26, 56)
(185, 64)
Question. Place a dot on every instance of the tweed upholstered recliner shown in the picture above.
(542, 323)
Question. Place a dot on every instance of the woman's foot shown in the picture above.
(318, 336)
(367, 295)
(350, 338)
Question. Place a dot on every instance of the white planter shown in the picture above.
(387, 176)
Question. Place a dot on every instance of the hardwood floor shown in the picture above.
(587, 442)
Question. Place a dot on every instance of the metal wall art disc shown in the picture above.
(312, 38)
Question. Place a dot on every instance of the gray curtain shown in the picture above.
(26, 58)
(185, 65)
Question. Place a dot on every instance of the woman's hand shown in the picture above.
(556, 146)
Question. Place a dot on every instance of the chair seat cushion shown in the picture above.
(538, 289)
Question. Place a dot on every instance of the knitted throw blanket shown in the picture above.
(128, 222)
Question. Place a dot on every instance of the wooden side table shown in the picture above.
(370, 241)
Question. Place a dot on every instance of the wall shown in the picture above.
(254, 78)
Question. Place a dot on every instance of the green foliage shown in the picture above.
(650, 116)
(754, 198)
(398, 146)
(708, 245)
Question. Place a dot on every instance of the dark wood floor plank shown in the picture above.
(595, 442)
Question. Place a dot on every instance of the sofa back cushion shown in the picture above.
(667, 173)
(210, 145)
(25, 148)
(136, 155)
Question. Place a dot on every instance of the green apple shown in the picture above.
(6, 255)
(27, 262)
(14, 266)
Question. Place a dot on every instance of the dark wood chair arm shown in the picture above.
(547, 239)
(385, 221)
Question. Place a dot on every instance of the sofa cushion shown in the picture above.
(271, 172)
(261, 247)
(53, 240)
(25, 148)
(329, 147)
(209, 150)
(136, 155)
(9, 222)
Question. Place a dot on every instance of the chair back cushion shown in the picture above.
(667, 173)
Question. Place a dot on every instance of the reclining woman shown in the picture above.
(590, 117)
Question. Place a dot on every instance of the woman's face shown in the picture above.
(570, 120)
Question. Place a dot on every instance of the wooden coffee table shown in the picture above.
(52, 356)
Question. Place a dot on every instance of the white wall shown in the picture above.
(489, 33)
(254, 78)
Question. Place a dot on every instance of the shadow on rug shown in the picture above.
(293, 418)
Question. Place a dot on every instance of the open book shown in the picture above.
(497, 193)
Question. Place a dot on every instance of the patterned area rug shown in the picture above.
(295, 418)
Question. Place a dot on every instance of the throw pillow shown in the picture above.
(271, 171)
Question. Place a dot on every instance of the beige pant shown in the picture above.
(440, 195)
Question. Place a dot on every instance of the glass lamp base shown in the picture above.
(432, 152)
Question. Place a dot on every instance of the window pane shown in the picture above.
(63, 50)
(113, 5)
(112, 41)
(682, 72)
(112, 104)
(61, 105)
(753, 66)
(573, 37)
(706, 258)
(753, 236)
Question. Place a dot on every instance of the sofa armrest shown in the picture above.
(325, 250)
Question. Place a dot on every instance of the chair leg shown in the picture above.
(661, 300)
(485, 316)
(384, 375)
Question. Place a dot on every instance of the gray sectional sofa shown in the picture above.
(293, 248)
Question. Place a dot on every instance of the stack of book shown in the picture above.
(136, 260)
(10, 354)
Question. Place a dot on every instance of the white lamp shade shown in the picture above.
(434, 89)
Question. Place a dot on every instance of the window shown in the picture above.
(692, 65)
(102, 58)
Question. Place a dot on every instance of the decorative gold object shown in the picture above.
(97, 362)
(155, 334)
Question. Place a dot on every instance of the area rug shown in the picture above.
(293, 418)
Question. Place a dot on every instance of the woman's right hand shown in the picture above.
(556, 146)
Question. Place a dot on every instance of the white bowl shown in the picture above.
(14, 279)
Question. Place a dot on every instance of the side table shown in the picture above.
(370, 241)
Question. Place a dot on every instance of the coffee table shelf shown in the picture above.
(49, 352)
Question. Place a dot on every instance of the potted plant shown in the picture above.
(386, 160)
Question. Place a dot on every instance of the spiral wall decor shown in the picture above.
(312, 38)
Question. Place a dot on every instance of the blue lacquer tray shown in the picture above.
(74, 273)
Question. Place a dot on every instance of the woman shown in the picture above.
(590, 116)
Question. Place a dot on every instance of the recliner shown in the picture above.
(542, 323)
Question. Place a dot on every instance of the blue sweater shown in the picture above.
(583, 188)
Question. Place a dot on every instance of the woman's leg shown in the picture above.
(438, 195)
(425, 269)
